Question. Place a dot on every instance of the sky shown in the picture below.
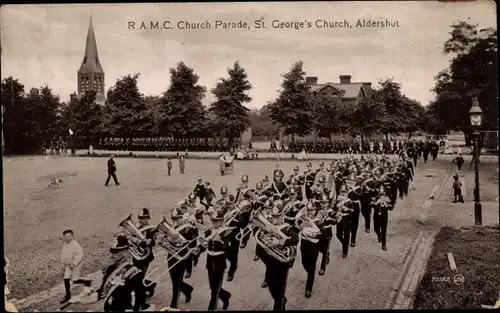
(44, 44)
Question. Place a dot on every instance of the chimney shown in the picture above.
(73, 97)
(311, 80)
(345, 79)
(368, 86)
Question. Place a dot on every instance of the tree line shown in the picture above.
(38, 116)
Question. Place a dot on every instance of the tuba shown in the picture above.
(117, 278)
(135, 239)
(302, 221)
(264, 237)
(170, 238)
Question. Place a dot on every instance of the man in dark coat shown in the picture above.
(111, 171)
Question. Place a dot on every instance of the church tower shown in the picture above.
(91, 74)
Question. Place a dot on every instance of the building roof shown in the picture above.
(90, 63)
(351, 90)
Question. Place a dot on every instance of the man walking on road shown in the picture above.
(111, 171)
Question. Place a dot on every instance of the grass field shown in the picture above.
(476, 257)
(35, 216)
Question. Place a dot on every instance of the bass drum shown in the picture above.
(120, 296)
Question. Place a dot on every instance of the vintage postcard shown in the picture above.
(250, 156)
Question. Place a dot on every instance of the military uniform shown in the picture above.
(310, 248)
(276, 274)
(178, 270)
(216, 261)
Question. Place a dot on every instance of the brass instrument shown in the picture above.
(135, 238)
(264, 238)
(171, 239)
(302, 222)
(343, 210)
(117, 279)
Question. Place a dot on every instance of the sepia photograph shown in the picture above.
(232, 156)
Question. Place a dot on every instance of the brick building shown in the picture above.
(346, 91)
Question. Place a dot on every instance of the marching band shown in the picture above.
(281, 216)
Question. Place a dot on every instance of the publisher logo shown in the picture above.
(458, 279)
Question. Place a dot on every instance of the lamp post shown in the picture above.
(476, 120)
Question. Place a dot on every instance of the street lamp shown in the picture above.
(476, 120)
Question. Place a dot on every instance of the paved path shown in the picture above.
(364, 280)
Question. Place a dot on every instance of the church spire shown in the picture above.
(91, 62)
(91, 75)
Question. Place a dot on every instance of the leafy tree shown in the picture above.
(126, 111)
(291, 110)
(153, 107)
(326, 115)
(14, 113)
(414, 116)
(86, 117)
(367, 115)
(181, 105)
(472, 72)
(392, 97)
(262, 124)
(231, 116)
(41, 117)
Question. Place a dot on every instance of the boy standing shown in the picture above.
(71, 257)
(457, 190)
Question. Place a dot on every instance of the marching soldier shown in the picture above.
(309, 180)
(219, 240)
(292, 208)
(149, 232)
(292, 177)
(326, 233)
(366, 194)
(177, 270)
(309, 246)
(278, 189)
(381, 216)
(344, 209)
(265, 181)
(234, 247)
(276, 271)
(425, 151)
(192, 260)
(355, 196)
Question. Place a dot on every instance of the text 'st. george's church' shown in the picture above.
(91, 74)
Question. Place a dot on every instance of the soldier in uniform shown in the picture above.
(309, 180)
(344, 208)
(177, 270)
(296, 173)
(278, 189)
(309, 247)
(355, 195)
(381, 216)
(326, 233)
(276, 271)
(219, 241)
(149, 232)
